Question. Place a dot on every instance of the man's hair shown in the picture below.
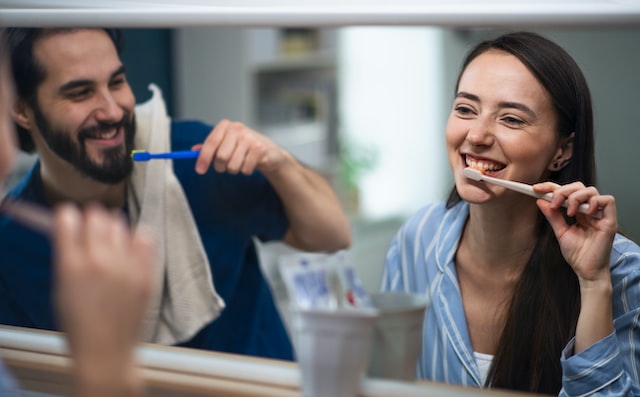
(28, 74)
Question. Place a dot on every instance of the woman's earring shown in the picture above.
(555, 165)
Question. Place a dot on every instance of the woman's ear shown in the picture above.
(22, 115)
(563, 153)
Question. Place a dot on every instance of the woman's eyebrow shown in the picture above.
(504, 104)
(467, 95)
(520, 106)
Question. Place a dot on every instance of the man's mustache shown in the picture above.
(90, 132)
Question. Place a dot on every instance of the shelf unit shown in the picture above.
(294, 91)
(281, 82)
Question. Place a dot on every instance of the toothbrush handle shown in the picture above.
(583, 208)
(180, 154)
(528, 190)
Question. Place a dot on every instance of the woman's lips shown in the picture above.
(482, 164)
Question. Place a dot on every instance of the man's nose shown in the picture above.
(107, 108)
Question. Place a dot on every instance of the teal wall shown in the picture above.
(148, 57)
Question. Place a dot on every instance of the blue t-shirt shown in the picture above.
(228, 210)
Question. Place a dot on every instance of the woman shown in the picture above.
(524, 294)
(103, 278)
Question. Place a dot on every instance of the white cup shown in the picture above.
(398, 334)
(333, 348)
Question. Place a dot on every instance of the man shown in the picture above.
(76, 109)
(100, 299)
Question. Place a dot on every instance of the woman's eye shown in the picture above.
(463, 110)
(513, 121)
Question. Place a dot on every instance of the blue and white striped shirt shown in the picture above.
(421, 259)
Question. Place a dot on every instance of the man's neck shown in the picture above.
(75, 187)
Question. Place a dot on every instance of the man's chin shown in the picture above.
(108, 174)
(108, 179)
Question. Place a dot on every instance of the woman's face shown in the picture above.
(502, 121)
(7, 133)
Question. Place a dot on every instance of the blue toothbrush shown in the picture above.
(141, 155)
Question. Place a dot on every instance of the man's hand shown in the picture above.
(235, 148)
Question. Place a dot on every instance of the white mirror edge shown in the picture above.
(329, 13)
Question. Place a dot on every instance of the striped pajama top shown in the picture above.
(420, 259)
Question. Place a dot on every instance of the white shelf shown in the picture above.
(294, 92)
(296, 62)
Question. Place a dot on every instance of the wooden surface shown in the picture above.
(39, 361)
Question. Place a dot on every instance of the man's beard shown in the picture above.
(117, 163)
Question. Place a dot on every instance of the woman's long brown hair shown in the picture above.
(542, 314)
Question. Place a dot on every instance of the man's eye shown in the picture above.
(77, 94)
(118, 82)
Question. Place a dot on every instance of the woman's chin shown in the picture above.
(474, 194)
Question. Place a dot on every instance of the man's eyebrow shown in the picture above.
(121, 70)
(84, 82)
(504, 104)
(74, 84)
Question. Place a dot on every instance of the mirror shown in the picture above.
(241, 73)
(194, 65)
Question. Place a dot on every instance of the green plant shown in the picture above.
(356, 159)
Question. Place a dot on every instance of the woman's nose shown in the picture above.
(480, 133)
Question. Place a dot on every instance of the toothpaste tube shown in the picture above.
(307, 280)
(322, 281)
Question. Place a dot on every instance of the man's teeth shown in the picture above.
(488, 167)
(105, 134)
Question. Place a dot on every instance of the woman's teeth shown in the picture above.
(481, 165)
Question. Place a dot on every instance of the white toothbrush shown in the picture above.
(523, 188)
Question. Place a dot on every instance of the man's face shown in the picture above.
(7, 133)
(84, 107)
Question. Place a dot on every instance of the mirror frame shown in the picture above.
(318, 13)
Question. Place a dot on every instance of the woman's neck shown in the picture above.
(494, 250)
(500, 238)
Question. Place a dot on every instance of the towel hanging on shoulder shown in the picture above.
(183, 299)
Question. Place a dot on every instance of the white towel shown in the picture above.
(184, 298)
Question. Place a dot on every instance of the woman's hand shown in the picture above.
(586, 245)
(103, 280)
